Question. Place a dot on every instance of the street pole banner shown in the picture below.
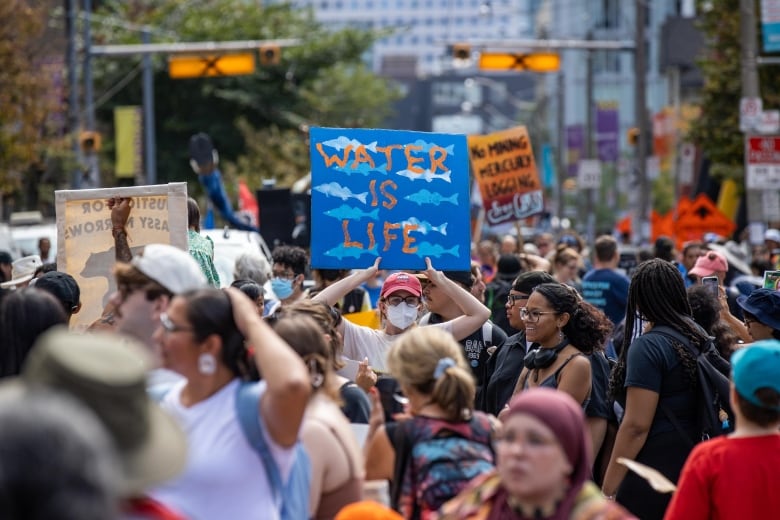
(504, 167)
(770, 25)
(399, 195)
(85, 244)
(607, 127)
(575, 148)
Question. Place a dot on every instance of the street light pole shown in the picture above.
(641, 224)
(750, 88)
(150, 152)
(73, 89)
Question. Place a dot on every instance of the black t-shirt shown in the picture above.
(475, 351)
(503, 371)
(653, 364)
(356, 405)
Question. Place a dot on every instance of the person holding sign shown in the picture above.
(400, 302)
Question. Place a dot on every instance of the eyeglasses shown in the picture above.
(513, 298)
(411, 301)
(287, 275)
(533, 316)
(170, 326)
(748, 321)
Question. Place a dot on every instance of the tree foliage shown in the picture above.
(258, 122)
(25, 91)
(717, 130)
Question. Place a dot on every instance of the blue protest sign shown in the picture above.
(395, 194)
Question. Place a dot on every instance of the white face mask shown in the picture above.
(402, 315)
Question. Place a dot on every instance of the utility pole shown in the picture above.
(73, 89)
(150, 152)
(641, 224)
(750, 88)
(91, 163)
(590, 217)
(560, 116)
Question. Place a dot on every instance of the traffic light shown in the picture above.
(535, 62)
(461, 51)
(89, 141)
(270, 55)
(632, 135)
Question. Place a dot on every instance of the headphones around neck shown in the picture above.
(543, 357)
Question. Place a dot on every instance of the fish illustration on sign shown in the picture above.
(341, 251)
(426, 147)
(426, 175)
(436, 250)
(345, 212)
(425, 227)
(334, 189)
(341, 142)
(427, 197)
(363, 169)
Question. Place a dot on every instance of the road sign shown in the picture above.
(762, 161)
(536, 62)
(589, 174)
(749, 113)
(768, 122)
(210, 66)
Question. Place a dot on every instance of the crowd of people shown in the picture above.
(511, 390)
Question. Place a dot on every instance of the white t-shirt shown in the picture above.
(364, 342)
(224, 476)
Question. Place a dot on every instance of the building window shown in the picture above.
(610, 14)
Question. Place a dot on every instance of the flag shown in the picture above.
(247, 203)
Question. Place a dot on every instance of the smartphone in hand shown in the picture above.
(711, 283)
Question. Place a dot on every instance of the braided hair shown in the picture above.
(657, 294)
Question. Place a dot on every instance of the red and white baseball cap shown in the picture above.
(401, 282)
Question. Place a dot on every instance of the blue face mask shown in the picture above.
(282, 287)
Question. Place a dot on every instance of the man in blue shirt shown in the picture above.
(604, 286)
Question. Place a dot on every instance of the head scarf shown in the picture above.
(559, 412)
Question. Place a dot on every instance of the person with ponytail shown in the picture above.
(655, 382)
(431, 456)
(336, 460)
(202, 337)
(543, 464)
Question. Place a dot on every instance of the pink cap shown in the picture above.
(401, 282)
(709, 263)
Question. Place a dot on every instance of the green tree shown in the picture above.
(258, 122)
(717, 130)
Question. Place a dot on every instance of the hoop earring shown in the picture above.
(207, 364)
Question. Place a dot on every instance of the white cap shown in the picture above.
(773, 235)
(171, 267)
(22, 270)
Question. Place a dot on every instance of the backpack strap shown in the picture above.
(247, 409)
(403, 453)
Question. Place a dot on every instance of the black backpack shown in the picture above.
(715, 416)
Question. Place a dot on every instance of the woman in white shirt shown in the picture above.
(202, 337)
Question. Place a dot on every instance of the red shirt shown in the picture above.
(728, 478)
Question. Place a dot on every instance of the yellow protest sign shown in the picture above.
(505, 170)
(85, 245)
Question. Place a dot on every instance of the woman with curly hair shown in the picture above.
(567, 331)
(654, 380)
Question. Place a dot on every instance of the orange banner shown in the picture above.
(505, 170)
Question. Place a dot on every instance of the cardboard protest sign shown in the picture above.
(504, 167)
(395, 194)
(85, 245)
